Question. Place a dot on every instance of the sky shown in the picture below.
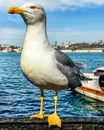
(67, 20)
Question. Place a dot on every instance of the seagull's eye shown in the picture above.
(32, 7)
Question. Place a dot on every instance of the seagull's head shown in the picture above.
(31, 13)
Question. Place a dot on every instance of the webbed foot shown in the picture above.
(54, 119)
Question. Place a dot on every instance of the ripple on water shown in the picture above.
(20, 98)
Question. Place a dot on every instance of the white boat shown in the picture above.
(93, 84)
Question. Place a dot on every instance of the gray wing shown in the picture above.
(68, 68)
(80, 65)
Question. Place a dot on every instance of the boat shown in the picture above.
(93, 84)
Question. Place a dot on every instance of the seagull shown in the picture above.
(44, 66)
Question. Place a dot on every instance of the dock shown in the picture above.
(68, 123)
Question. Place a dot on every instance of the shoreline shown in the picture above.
(83, 50)
(65, 50)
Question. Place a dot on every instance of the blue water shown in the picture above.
(20, 98)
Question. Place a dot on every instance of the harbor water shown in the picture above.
(19, 98)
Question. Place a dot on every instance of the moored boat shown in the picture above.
(93, 84)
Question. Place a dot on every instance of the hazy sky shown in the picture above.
(67, 20)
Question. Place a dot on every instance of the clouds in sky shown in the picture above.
(8, 35)
(53, 4)
(16, 36)
(75, 36)
(12, 27)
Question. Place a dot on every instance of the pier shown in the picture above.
(68, 123)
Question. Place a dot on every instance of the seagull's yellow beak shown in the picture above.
(15, 10)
